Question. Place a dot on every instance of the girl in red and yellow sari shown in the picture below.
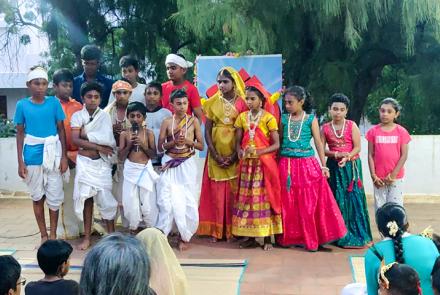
(219, 184)
(257, 208)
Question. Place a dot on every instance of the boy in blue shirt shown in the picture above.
(41, 149)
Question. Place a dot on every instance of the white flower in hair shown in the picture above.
(393, 228)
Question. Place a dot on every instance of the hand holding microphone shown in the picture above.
(135, 132)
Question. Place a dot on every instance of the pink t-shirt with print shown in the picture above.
(387, 148)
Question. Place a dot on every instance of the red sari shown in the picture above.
(219, 186)
(257, 209)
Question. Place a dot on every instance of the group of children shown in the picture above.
(134, 158)
(262, 178)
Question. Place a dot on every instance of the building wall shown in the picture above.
(422, 168)
(12, 97)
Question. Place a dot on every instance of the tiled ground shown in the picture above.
(281, 271)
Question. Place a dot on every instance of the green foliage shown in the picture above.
(367, 49)
(7, 128)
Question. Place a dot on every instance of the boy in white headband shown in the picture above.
(41, 149)
(177, 66)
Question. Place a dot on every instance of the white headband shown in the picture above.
(37, 73)
(180, 61)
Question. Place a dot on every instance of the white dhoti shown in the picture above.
(139, 194)
(46, 179)
(69, 226)
(94, 180)
(177, 199)
(42, 182)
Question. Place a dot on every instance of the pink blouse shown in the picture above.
(343, 144)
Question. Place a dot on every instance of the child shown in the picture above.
(398, 245)
(179, 136)
(136, 148)
(91, 62)
(344, 142)
(400, 279)
(54, 260)
(257, 208)
(41, 149)
(130, 71)
(219, 185)
(69, 227)
(177, 66)
(155, 113)
(92, 133)
(387, 154)
(311, 216)
(10, 276)
(117, 110)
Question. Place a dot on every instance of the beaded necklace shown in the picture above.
(289, 127)
(342, 131)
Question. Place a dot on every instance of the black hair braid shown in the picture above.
(398, 246)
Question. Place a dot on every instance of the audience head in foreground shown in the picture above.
(116, 265)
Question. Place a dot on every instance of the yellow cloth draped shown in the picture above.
(167, 276)
(223, 131)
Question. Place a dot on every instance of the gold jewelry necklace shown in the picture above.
(253, 123)
(228, 108)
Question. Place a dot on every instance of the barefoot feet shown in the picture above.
(183, 246)
(85, 244)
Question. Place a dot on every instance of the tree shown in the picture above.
(328, 46)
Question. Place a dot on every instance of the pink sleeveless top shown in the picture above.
(343, 144)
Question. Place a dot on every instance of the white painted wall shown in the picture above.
(13, 95)
(9, 179)
(422, 167)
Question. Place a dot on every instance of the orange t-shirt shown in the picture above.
(70, 107)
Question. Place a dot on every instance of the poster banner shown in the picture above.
(267, 68)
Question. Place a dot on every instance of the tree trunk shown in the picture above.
(370, 65)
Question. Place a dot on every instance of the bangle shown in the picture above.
(325, 168)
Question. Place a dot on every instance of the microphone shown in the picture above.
(135, 131)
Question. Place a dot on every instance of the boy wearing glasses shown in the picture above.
(136, 148)
(156, 114)
(10, 279)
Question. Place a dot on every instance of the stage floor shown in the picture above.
(281, 271)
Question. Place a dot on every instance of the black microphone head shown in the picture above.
(135, 127)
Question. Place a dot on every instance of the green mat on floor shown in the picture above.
(357, 265)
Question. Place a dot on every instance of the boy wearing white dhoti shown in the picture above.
(41, 149)
(179, 135)
(92, 133)
(137, 148)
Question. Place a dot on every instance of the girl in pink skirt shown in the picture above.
(310, 214)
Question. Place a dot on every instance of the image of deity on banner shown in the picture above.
(261, 71)
(266, 69)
